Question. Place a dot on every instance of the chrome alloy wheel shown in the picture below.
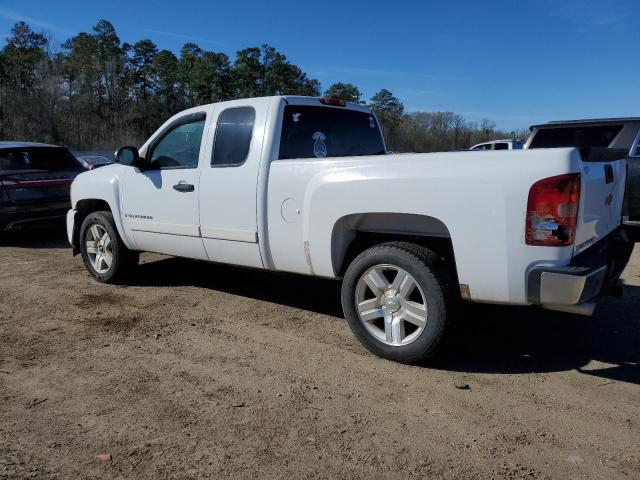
(99, 250)
(391, 305)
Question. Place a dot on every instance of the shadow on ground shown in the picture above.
(486, 339)
(500, 339)
(299, 291)
(47, 236)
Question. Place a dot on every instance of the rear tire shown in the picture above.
(105, 255)
(397, 298)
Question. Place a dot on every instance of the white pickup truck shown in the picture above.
(304, 185)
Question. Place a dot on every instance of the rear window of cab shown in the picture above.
(318, 132)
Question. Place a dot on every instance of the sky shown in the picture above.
(515, 62)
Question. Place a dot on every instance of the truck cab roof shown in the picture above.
(288, 99)
(304, 100)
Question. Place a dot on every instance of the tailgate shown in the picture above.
(601, 196)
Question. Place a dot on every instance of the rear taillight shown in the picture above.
(552, 211)
(335, 102)
(57, 182)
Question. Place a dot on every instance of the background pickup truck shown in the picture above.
(303, 185)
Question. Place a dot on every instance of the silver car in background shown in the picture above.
(94, 159)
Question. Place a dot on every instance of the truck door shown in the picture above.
(229, 179)
(160, 204)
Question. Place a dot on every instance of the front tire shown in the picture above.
(397, 300)
(105, 255)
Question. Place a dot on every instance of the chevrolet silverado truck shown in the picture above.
(304, 185)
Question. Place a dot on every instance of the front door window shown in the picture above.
(179, 147)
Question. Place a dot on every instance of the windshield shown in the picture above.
(578, 136)
(38, 158)
(317, 132)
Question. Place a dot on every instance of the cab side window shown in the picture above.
(501, 146)
(233, 137)
(179, 146)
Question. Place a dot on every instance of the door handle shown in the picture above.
(184, 187)
(608, 174)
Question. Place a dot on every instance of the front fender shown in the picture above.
(104, 185)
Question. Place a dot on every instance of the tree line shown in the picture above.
(96, 92)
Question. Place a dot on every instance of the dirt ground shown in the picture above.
(199, 371)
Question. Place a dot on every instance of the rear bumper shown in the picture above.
(15, 217)
(565, 286)
(589, 275)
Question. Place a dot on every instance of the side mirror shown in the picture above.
(130, 156)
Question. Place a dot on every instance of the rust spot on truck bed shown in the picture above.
(307, 256)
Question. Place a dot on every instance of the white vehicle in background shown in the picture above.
(304, 185)
(512, 144)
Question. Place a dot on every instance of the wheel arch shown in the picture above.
(86, 206)
(83, 208)
(354, 233)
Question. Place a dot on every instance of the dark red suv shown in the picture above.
(35, 182)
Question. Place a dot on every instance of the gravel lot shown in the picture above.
(204, 371)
